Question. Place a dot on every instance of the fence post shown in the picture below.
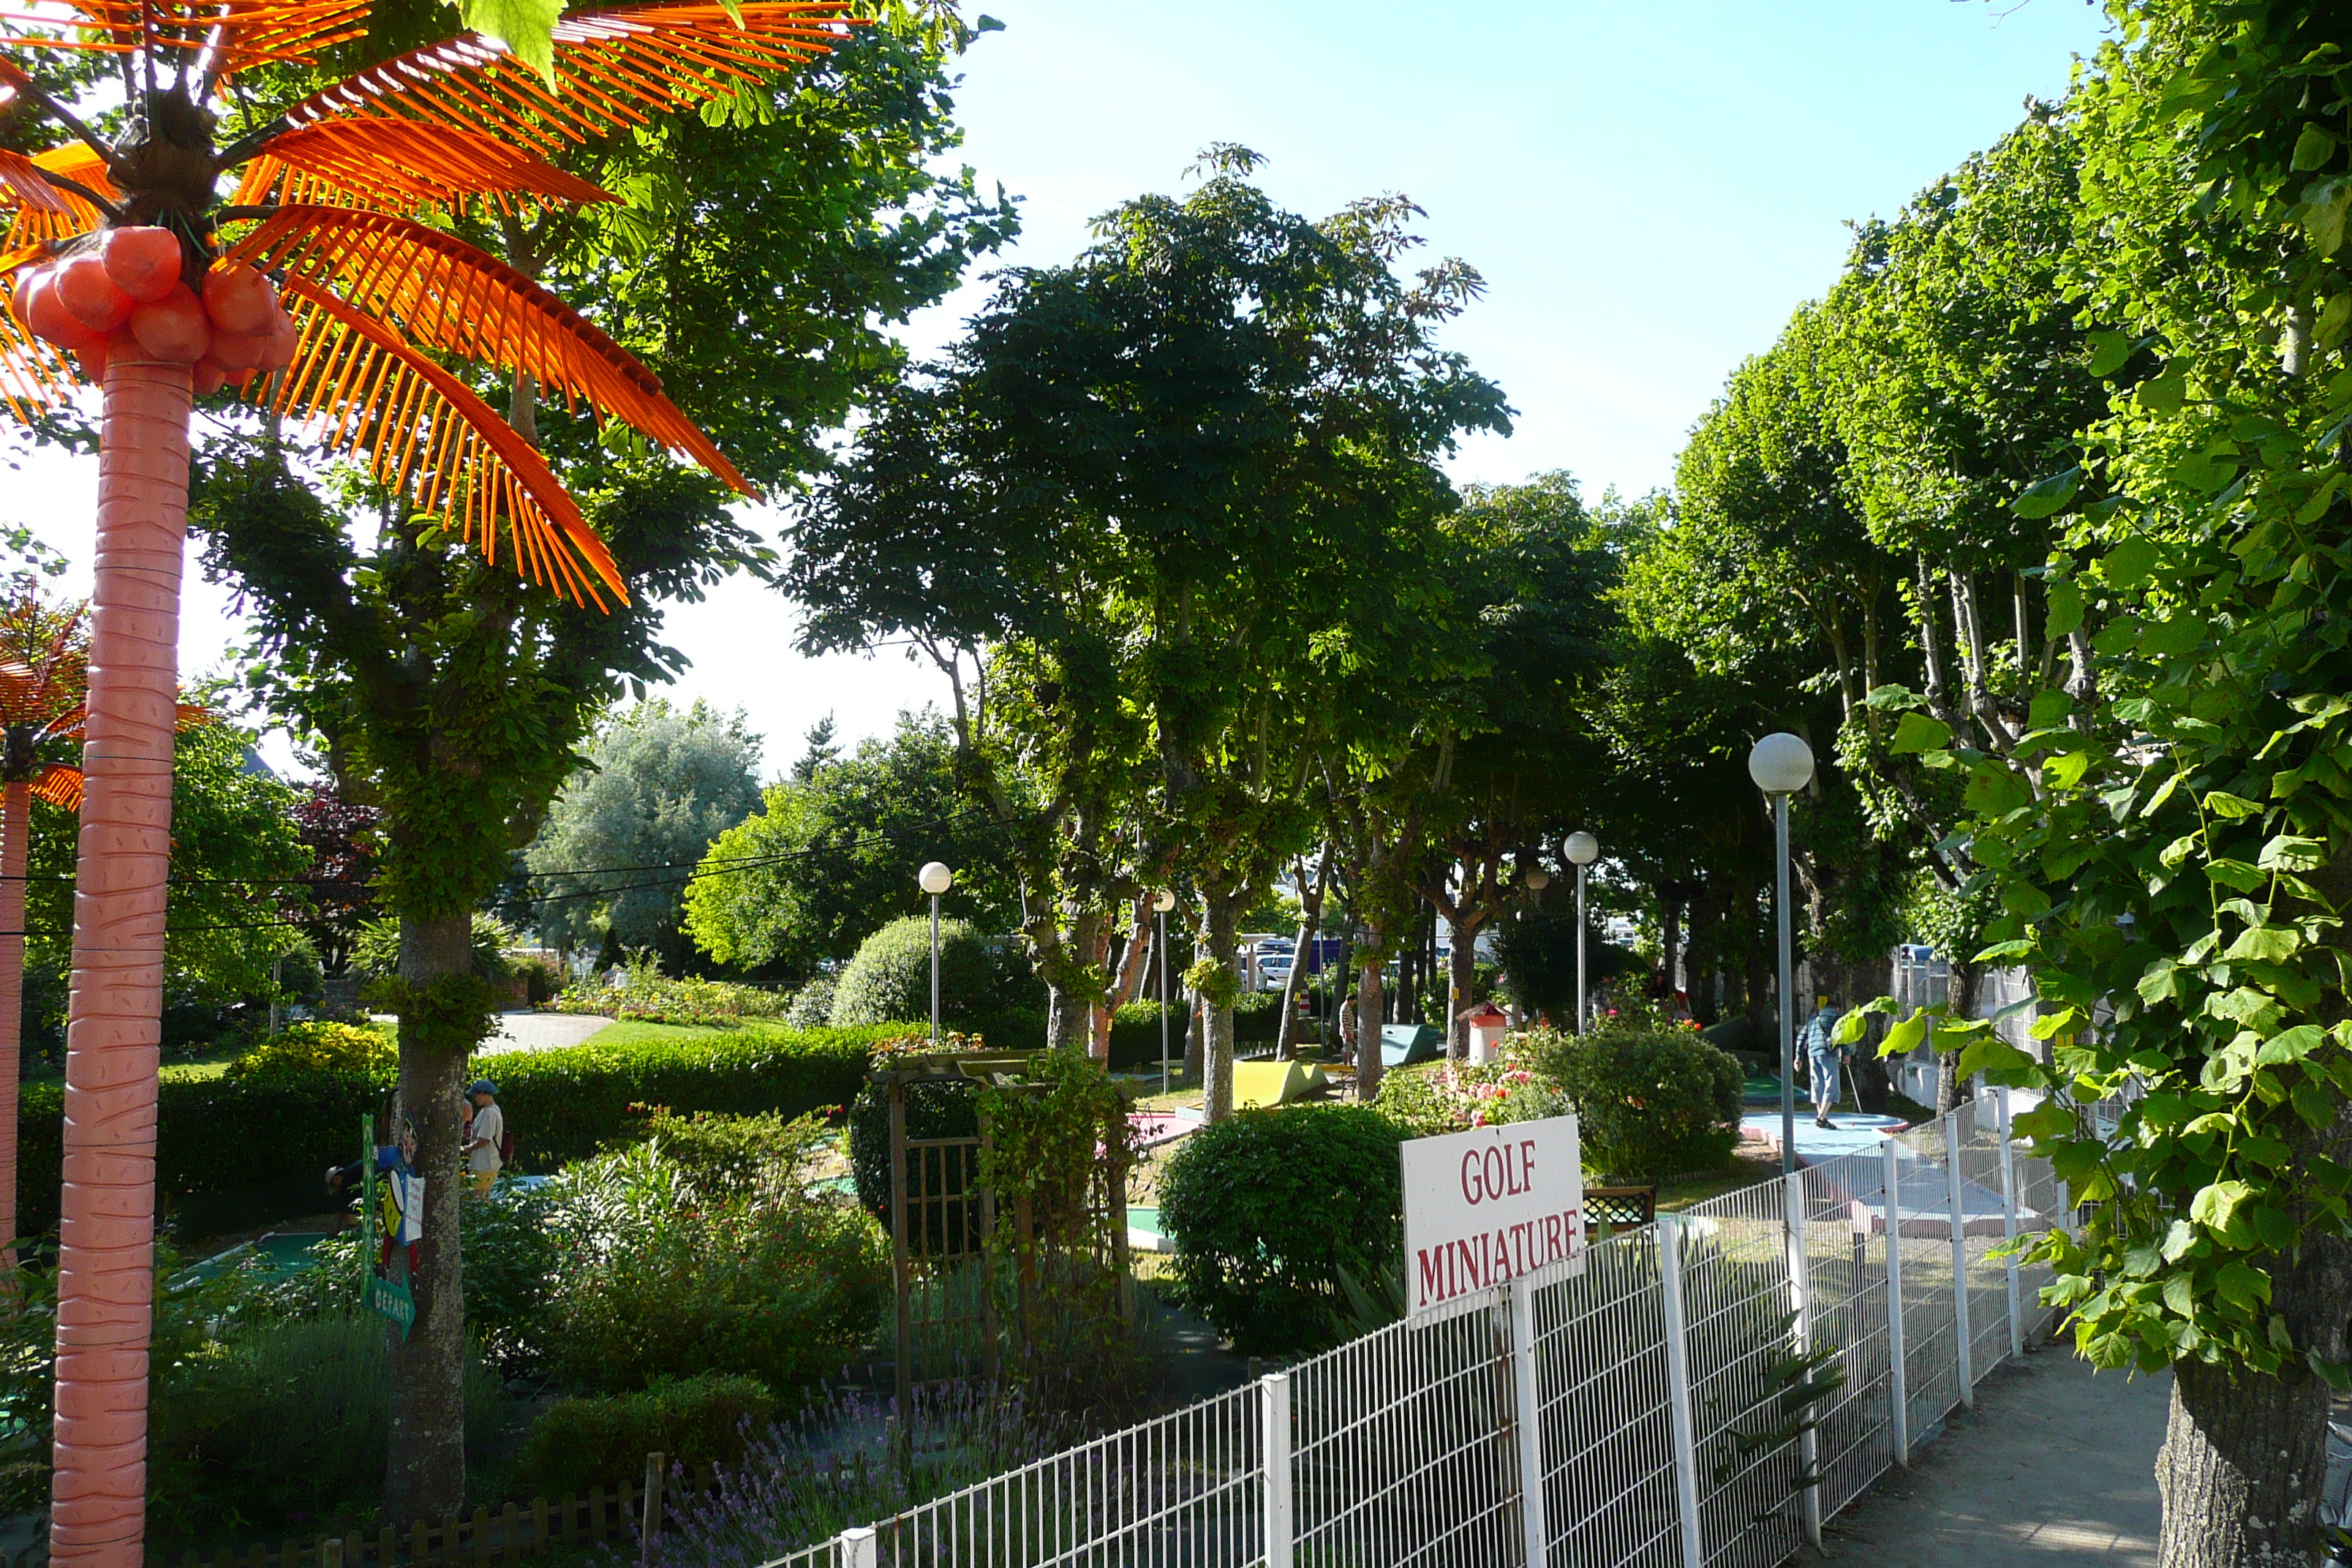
(1960, 1257)
(1897, 1363)
(1273, 1453)
(2008, 1225)
(649, 1520)
(855, 1548)
(1532, 1519)
(1801, 1301)
(1679, 1385)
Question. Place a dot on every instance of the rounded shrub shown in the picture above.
(1269, 1209)
(1652, 1100)
(812, 1005)
(315, 1048)
(602, 1439)
(889, 980)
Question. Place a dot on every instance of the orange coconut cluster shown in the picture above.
(127, 294)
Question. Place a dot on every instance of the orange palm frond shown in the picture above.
(376, 161)
(59, 785)
(450, 298)
(614, 69)
(240, 34)
(426, 433)
(21, 183)
(70, 215)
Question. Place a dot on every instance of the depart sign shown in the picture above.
(1483, 1206)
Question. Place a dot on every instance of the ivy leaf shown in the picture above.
(2049, 495)
(2110, 351)
(2171, 637)
(2163, 395)
(2315, 1108)
(2334, 1374)
(2235, 874)
(2222, 803)
(1992, 1054)
(2067, 772)
(2323, 214)
(1916, 733)
(2129, 564)
(2214, 1207)
(2313, 149)
(2242, 1285)
(2266, 944)
(2288, 853)
(2290, 1044)
(2158, 984)
(526, 28)
(1905, 1035)
(2065, 601)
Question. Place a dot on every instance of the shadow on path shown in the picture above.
(2057, 1465)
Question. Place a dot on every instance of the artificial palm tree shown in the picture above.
(321, 269)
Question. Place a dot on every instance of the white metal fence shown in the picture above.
(1621, 1408)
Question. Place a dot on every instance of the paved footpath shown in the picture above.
(2056, 1466)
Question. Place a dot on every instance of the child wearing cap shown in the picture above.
(486, 1137)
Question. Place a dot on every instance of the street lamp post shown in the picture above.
(1161, 902)
(935, 878)
(1781, 764)
(1583, 849)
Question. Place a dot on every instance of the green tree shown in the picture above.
(830, 857)
(1169, 499)
(2171, 842)
(657, 784)
(453, 697)
(237, 852)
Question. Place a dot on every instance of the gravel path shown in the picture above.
(527, 1031)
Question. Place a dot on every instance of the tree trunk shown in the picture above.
(1219, 919)
(1961, 991)
(1369, 1009)
(15, 833)
(1195, 1045)
(1670, 938)
(425, 1475)
(1706, 943)
(106, 1262)
(1311, 922)
(1462, 978)
(2245, 1460)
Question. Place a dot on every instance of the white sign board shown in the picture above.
(1486, 1205)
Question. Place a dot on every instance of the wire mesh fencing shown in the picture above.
(1629, 1407)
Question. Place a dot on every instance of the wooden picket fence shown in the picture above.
(509, 1536)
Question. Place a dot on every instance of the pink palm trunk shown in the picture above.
(15, 832)
(106, 1262)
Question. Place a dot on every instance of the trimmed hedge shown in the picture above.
(588, 1442)
(218, 1134)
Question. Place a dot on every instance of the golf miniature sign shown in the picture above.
(1483, 1206)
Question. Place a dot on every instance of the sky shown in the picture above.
(1649, 190)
